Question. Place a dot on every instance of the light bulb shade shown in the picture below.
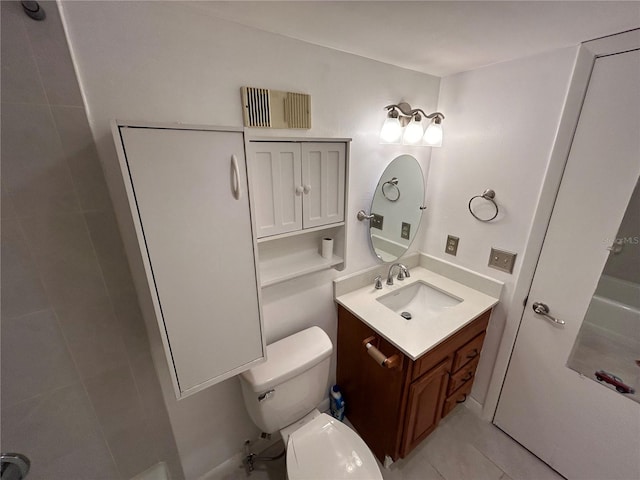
(433, 135)
(391, 131)
(412, 133)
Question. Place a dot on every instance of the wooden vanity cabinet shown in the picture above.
(394, 409)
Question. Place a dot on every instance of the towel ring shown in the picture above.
(394, 183)
(489, 195)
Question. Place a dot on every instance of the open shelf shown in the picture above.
(292, 255)
(294, 265)
(298, 232)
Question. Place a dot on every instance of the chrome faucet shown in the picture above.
(403, 272)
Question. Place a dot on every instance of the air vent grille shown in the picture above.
(257, 107)
(275, 109)
(297, 109)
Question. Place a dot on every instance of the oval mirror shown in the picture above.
(396, 208)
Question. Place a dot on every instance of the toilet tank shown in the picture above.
(291, 383)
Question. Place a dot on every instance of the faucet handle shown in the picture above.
(378, 281)
(403, 272)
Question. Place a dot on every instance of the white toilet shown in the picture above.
(283, 393)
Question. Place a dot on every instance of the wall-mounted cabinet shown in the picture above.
(193, 226)
(298, 196)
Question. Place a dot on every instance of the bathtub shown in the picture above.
(614, 310)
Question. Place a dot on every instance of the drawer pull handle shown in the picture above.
(463, 399)
(381, 359)
(467, 377)
(473, 354)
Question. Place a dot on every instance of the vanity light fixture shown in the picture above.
(404, 124)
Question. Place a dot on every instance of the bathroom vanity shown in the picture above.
(401, 377)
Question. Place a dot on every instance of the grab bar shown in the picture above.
(381, 359)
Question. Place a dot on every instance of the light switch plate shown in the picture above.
(452, 245)
(502, 260)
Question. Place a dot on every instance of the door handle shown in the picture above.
(542, 309)
(235, 178)
(14, 466)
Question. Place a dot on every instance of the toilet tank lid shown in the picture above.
(289, 357)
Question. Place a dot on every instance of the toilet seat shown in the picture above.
(325, 448)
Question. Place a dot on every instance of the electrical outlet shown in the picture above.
(502, 260)
(452, 245)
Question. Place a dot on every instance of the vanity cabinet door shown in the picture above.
(276, 186)
(187, 190)
(323, 179)
(424, 406)
(373, 394)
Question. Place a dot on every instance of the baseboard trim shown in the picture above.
(475, 406)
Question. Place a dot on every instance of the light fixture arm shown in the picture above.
(407, 112)
(405, 108)
(437, 115)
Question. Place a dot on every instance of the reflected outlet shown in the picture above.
(376, 221)
(405, 231)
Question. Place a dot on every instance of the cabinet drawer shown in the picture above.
(458, 397)
(462, 376)
(467, 352)
(449, 347)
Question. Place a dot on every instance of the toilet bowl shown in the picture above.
(282, 395)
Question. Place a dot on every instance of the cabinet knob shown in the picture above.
(299, 190)
(307, 189)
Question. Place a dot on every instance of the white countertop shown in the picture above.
(416, 337)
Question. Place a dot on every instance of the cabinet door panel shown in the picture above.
(323, 176)
(426, 396)
(373, 394)
(275, 170)
(199, 248)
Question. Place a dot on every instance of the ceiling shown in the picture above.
(438, 38)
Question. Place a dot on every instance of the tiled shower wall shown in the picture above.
(80, 395)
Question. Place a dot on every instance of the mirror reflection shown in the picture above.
(396, 208)
(607, 348)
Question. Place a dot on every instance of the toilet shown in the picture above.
(282, 395)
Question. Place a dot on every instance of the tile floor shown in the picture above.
(463, 447)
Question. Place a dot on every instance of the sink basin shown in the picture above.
(420, 300)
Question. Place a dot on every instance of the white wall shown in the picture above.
(500, 127)
(167, 62)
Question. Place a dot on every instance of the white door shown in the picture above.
(276, 187)
(582, 429)
(188, 194)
